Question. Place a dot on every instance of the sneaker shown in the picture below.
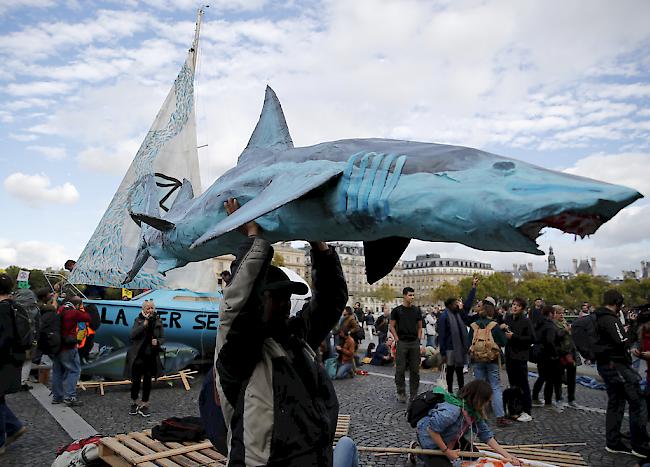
(537, 403)
(12, 438)
(134, 409)
(503, 422)
(26, 387)
(144, 411)
(73, 402)
(524, 417)
(401, 397)
(573, 404)
(641, 451)
(57, 401)
(619, 448)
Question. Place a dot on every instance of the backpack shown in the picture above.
(585, 336)
(331, 365)
(49, 336)
(26, 298)
(421, 405)
(23, 327)
(179, 430)
(483, 348)
(513, 401)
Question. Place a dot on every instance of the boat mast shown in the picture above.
(195, 44)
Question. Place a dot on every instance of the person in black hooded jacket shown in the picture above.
(614, 365)
(549, 362)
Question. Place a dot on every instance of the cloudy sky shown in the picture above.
(565, 85)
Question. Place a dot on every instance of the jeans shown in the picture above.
(66, 369)
(9, 424)
(344, 370)
(490, 372)
(407, 355)
(518, 376)
(345, 453)
(431, 340)
(623, 386)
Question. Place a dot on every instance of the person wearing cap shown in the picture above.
(279, 405)
(490, 370)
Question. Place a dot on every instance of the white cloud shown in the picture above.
(7, 5)
(36, 190)
(31, 254)
(630, 169)
(114, 159)
(24, 137)
(39, 88)
(50, 152)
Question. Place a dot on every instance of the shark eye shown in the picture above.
(505, 166)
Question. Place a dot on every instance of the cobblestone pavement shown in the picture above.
(377, 420)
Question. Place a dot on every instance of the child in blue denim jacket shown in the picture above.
(446, 425)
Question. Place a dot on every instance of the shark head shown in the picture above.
(510, 202)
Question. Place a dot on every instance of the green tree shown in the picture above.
(444, 291)
(584, 288)
(385, 293)
(278, 260)
(499, 285)
(635, 292)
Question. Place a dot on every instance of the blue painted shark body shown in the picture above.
(379, 191)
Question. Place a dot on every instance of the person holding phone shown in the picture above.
(143, 358)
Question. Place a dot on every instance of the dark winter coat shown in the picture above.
(523, 336)
(9, 365)
(546, 334)
(138, 339)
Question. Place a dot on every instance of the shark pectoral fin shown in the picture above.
(284, 188)
(382, 255)
(143, 204)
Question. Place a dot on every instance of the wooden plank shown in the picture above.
(202, 459)
(114, 460)
(158, 447)
(125, 453)
(181, 450)
(184, 380)
(142, 449)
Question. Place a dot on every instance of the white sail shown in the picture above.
(169, 152)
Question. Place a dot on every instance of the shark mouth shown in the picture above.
(576, 223)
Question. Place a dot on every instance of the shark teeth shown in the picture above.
(579, 224)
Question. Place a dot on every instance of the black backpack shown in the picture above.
(585, 336)
(23, 327)
(179, 430)
(49, 336)
(513, 401)
(420, 406)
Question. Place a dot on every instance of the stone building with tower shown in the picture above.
(584, 266)
(552, 267)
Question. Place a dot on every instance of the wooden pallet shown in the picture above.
(184, 376)
(139, 449)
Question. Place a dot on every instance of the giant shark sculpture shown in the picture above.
(379, 191)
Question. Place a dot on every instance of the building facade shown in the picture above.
(428, 272)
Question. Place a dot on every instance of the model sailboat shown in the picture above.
(169, 154)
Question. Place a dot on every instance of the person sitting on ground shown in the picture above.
(346, 355)
(431, 357)
(279, 405)
(486, 356)
(382, 356)
(370, 350)
(143, 358)
(445, 426)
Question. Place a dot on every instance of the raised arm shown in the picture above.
(329, 294)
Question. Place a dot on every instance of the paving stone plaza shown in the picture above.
(377, 419)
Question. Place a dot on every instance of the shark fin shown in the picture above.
(282, 189)
(271, 130)
(382, 255)
(144, 204)
(185, 193)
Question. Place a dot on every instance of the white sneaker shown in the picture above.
(524, 417)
